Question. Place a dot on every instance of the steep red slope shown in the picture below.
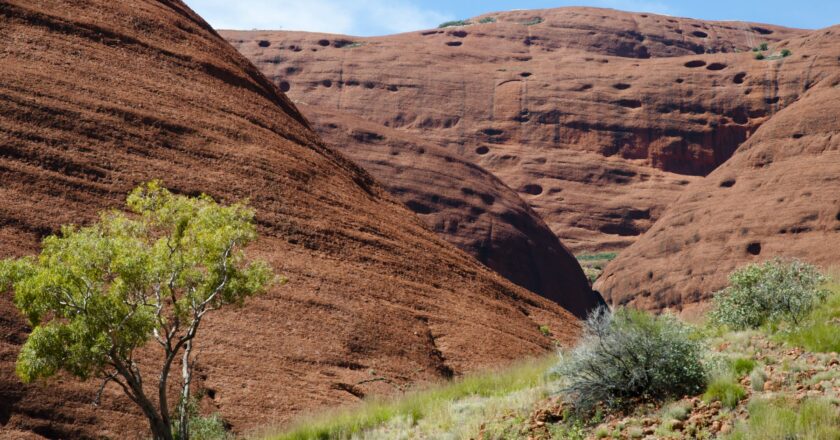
(467, 205)
(599, 118)
(779, 195)
(98, 96)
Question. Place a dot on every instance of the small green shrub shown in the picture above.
(486, 20)
(780, 419)
(675, 411)
(759, 56)
(757, 379)
(545, 330)
(820, 331)
(786, 53)
(772, 292)
(763, 46)
(210, 427)
(630, 355)
(454, 23)
(742, 366)
(533, 21)
(725, 390)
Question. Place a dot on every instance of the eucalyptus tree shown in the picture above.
(96, 294)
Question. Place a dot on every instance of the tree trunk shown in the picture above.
(184, 408)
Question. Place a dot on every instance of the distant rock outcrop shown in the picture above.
(778, 196)
(467, 205)
(598, 118)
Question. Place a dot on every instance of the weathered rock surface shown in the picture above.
(599, 118)
(99, 96)
(778, 196)
(467, 205)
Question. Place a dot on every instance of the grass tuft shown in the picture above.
(821, 330)
(414, 407)
(781, 419)
(725, 390)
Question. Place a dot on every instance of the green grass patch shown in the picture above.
(820, 331)
(533, 21)
(454, 23)
(724, 390)
(414, 406)
(608, 256)
(742, 366)
(781, 419)
(486, 20)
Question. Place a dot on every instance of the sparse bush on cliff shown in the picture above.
(454, 23)
(628, 356)
(771, 292)
(786, 53)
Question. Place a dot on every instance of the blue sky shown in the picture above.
(380, 17)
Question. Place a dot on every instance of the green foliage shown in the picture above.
(757, 379)
(786, 53)
(545, 330)
(725, 390)
(97, 293)
(742, 366)
(763, 46)
(210, 427)
(454, 23)
(759, 56)
(631, 355)
(781, 419)
(593, 264)
(608, 256)
(486, 20)
(676, 411)
(819, 332)
(418, 405)
(772, 292)
(533, 21)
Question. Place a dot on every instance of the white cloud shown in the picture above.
(359, 17)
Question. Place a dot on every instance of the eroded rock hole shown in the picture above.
(492, 131)
(700, 34)
(629, 103)
(285, 86)
(621, 86)
(454, 43)
(482, 150)
(326, 83)
(525, 74)
(418, 207)
(264, 43)
(754, 248)
(716, 66)
(762, 30)
(728, 183)
(739, 78)
(459, 34)
(695, 63)
(679, 80)
(324, 43)
(532, 189)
